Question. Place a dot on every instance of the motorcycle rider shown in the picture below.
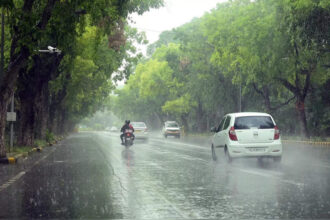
(127, 125)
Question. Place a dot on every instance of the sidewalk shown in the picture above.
(21, 163)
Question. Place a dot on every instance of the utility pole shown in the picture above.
(12, 123)
(2, 45)
(240, 97)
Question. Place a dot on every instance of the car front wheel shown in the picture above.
(214, 156)
(229, 159)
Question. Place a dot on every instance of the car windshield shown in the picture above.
(172, 125)
(138, 124)
(248, 122)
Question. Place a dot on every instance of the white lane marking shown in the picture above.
(12, 180)
(270, 176)
(179, 143)
(22, 173)
(184, 156)
(255, 173)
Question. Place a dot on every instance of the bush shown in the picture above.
(50, 137)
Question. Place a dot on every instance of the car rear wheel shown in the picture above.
(229, 159)
(214, 156)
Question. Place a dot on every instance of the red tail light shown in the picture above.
(276, 133)
(232, 134)
(128, 134)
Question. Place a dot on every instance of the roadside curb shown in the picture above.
(316, 143)
(8, 160)
(14, 159)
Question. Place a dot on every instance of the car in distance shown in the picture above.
(113, 129)
(140, 130)
(247, 134)
(171, 128)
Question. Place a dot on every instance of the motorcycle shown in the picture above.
(128, 137)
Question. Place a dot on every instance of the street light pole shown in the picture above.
(240, 97)
(12, 124)
(2, 44)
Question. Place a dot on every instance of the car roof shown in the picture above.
(138, 122)
(242, 114)
(168, 122)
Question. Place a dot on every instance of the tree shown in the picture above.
(269, 42)
(32, 22)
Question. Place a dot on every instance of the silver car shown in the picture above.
(140, 130)
(171, 128)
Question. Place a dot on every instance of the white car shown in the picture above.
(247, 134)
(171, 128)
(140, 130)
(113, 129)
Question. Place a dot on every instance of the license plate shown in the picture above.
(257, 149)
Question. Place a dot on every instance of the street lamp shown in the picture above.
(51, 50)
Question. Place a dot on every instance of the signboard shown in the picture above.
(11, 116)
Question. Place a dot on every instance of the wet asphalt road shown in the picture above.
(90, 175)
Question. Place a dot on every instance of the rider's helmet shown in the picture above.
(127, 121)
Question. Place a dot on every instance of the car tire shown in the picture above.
(229, 159)
(277, 159)
(214, 156)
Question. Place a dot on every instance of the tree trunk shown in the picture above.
(52, 116)
(61, 122)
(185, 123)
(3, 114)
(300, 108)
(160, 118)
(17, 61)
(200, 119)
(26, 129)
(6, 92)
(41, 112)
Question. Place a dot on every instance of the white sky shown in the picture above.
(174, 14)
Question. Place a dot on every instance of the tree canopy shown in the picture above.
(259, 55)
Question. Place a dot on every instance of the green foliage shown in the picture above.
(50, 137)
(276, 51)
(179, 106)
(41, 143)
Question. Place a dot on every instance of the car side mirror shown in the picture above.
(213, 129)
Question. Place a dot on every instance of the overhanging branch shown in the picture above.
(288, 85)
